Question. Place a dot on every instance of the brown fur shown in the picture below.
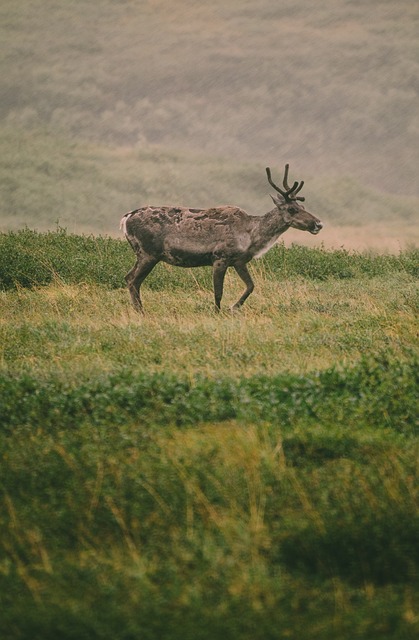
(220, 237)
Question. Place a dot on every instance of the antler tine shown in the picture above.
(292, 191)
(289, 190)
(285, 180)
(300, 186)
(295, 187)
(272, 183)
(268, 173)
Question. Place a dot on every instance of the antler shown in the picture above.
(290, 192)
(285, 183)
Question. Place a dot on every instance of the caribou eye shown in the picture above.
(292, 210)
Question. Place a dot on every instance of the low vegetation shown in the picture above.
(31, 259)
(187, 475)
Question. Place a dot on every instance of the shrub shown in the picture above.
(380, 392)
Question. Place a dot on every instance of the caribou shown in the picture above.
(221, 237)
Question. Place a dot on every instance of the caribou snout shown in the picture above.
(318, 226)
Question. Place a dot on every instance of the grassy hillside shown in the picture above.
(190, 475)
(329, 86)
(107, 105)
(50, 181)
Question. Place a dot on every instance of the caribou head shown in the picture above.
(288, 203)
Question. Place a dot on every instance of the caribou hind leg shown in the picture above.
(244, 274)
(219, 269)
(136, 277)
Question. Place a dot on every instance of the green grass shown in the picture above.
(188, 475)
(258, 530)
(379, 392)
(311, 308)
(184, 475)
(29, 258)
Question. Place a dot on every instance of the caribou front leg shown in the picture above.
(244, 274)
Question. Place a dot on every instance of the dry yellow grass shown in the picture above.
(292, 325)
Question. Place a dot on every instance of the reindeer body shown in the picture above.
(197, 237)
(220, 237)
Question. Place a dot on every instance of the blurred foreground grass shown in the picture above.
(183, 475)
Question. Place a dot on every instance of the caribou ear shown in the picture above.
(278, 199)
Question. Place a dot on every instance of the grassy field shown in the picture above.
(184, 475)
(188, 475)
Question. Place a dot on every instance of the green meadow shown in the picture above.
(184, 474)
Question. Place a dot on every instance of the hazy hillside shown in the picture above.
(212, 93)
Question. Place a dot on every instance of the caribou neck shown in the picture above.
(267, 230)
(272, 224)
